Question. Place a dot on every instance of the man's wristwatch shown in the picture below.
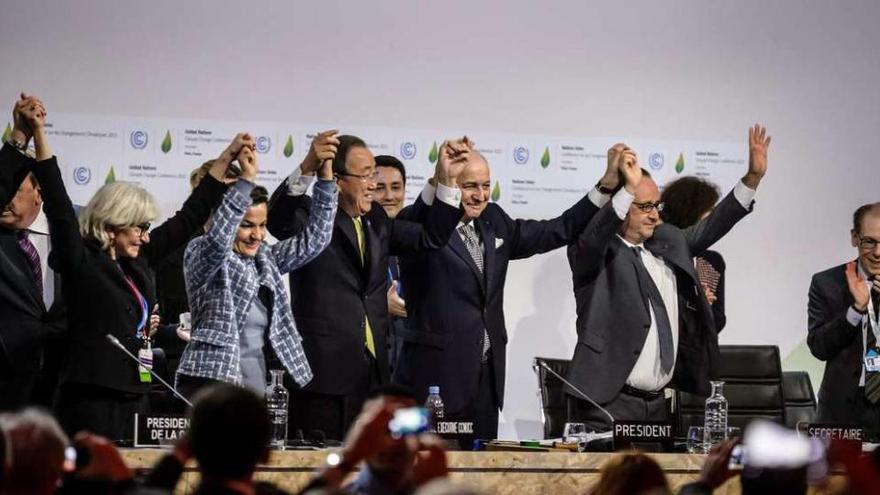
(604, 190)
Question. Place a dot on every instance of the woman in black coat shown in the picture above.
(105, 262)
(686, 201)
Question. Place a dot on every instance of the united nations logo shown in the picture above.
(655, 161)
(408, 150)
(521, 155)
(82, 175)
(264, 144)
(138, 139)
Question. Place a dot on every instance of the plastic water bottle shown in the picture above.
(277, 398)
(434, 405)
(715, 420)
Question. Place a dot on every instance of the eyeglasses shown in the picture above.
(140, 229)
(868, 243)
(368, 177)
(647, 206)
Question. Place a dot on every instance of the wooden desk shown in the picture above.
(496, 472)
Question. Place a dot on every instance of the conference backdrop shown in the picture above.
(145, 91)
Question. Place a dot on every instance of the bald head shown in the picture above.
(475, 185)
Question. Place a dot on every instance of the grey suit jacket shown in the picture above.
(613, 322)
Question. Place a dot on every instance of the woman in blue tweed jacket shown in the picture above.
(236, 293)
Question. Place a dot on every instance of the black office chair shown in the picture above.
(800, 400)
(554, 410)
(752, 376)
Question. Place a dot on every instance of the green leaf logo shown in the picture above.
(545, 158)
(7, 132)
(496, 191)
(679, 164)
(166, 143)
(432, 156)
(111, 176)
(288, 146)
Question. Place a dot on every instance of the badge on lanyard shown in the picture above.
(145, 356)
(872, 355)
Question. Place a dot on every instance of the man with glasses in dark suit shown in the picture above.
(643, 321)
(842, 329)
(339, 299)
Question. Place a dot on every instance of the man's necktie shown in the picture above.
(368, 330)
(661, 317)
(472, 242)
(872, 378)
(32, 257)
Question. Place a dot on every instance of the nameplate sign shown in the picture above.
(159, 430)
(455, 428)
(651, 436)
(849, 435)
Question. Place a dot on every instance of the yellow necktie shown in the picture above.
(368, 330)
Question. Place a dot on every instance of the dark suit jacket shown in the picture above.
(832, 339)
(715, 259)
(331, 295)
(98, 299)
(26, 325)
(612, 323)
(449, 303)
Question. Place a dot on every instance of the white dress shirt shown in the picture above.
(647, 373)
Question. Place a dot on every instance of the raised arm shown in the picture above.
(303, 247)
(432, 219)
(289, 205)
(738, 203)
(177, 230)
(14, 162)
(585, 254)
(68, 249)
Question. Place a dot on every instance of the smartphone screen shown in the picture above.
(408, 421)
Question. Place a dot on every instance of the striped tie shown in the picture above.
(472, 242)
(33, 258)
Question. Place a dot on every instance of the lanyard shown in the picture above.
(144, 307)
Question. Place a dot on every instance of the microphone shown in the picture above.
(580, 392)
(113, 340)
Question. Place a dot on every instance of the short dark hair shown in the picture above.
(861, 213)
(346, 143)
(392, 390)
(687, 199)
(259, 195)
(229, 431)
(390, 161)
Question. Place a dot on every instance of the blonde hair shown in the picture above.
(118, 204)
(199, 173)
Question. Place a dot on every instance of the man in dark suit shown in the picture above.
(456, 337)
(642, 320)
(843, 329)
(32, 316)
(390, 193)
(339, 299)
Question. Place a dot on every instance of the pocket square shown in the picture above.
(498, 242)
